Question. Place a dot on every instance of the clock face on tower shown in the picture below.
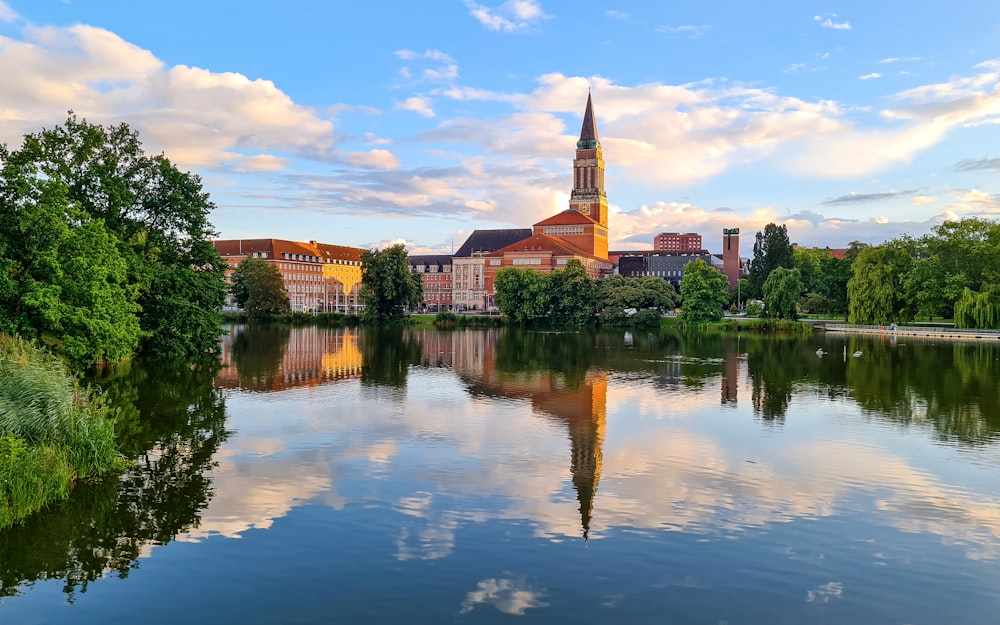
(584, 208)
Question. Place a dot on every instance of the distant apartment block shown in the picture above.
(435, 271)
(677, 242)
(318, 276)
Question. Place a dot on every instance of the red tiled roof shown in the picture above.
(568, 217)
(544, 243)
(276, 248)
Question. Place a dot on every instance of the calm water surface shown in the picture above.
(348, 476)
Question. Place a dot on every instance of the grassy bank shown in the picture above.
(52, 431)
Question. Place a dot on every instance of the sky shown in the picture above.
(370, 123)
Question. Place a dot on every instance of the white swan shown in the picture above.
(820, 352)
(857, 353)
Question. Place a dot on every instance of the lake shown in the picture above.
(485, 476)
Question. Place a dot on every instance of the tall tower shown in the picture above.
(588, 195)
(731, 254)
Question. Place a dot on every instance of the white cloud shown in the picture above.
(901, 59)
(373, 159)
(827, 21)
(870, 76)
(7, 14)
(686, 29)
(419, 105)
(198, 117)
(615, 14)
(511, 16)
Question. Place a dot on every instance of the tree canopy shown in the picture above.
(259, 289)
(781, 293)
(771, 249)
(388, 287)
(704, 291)
(105, 250)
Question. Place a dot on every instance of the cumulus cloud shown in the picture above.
(373, 159)
(870, 76)
(418, 104)
(511, 16)
(443, 67)
(198, 117)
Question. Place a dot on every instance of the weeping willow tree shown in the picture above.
(978, 310)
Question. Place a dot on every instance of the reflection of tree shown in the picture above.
(951, 385)
(171, 422)
(569, 353)
(387, 353)
(775, 365)
(258, 351)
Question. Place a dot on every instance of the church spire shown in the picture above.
(588, 132)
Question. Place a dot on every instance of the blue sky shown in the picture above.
(365, 123)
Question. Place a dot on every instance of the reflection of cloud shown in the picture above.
(510, 596)
(823, 594)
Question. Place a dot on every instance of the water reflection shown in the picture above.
(172, 423)
(465, 450)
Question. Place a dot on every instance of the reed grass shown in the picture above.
(52, 431)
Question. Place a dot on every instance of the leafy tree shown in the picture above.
(836, 272)
(388, 287)
(771, 250)
(979, 310)
(704, 291)
(781, 293)
(809, 262)
(259, 289)
(875, 290)
(522, 295)
(573, 296)
(66, 284)
(618, 294)
(154, 215)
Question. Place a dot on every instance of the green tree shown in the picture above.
(979, 310)
(156, 215)
(739, 293)
(259, 289)
(521, 295)
(836, 272)
(781, 293)
(620, 296)
(572, 296)
(62, 278)
(388, 287)
(704, 291)
(771, 250)
(875, 290)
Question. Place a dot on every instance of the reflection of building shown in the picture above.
(310, 356)
(581, 407)
(730, 372)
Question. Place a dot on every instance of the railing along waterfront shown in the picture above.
(907, 330)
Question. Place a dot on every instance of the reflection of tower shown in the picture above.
(730, 375)
(584, 410)
(586, 435)
(731, 254)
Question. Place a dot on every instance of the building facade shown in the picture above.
(469, 266)
(318, 277)
(677, 242)
(666, 265)
(435, 271)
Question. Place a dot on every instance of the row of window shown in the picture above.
(559, 230)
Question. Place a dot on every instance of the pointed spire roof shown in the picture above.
(588, 131)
